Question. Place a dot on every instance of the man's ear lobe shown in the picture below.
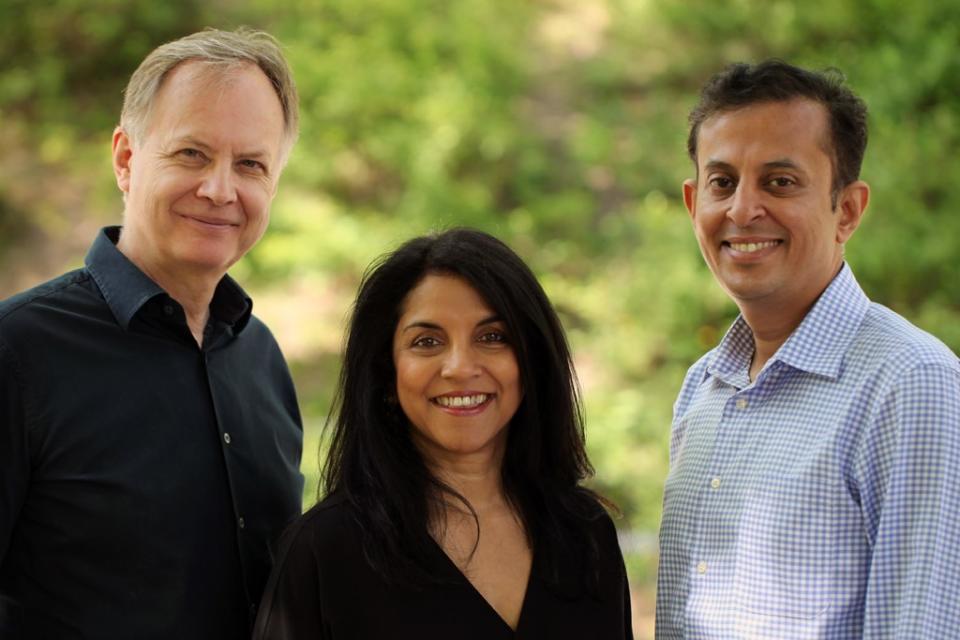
(850, 209)
(690, 196)
(122, 155)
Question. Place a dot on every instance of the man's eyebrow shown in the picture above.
(192, 142)
(780, 163)
(257, 154)
(714, 164)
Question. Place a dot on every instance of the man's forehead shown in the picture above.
(776, 126)
(785, 112)
(192, 75)
(196, 87)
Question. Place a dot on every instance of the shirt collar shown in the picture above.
(231, 304)
(817, 345)
(126, 289)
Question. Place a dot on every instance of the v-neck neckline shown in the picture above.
(462, 577)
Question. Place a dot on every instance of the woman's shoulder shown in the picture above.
(324, 540)
(332, 508)
(310, 538)
(312, 562)
(588, 529)
(328, 522)
(600, 534)
(587, 559)
(595, 514)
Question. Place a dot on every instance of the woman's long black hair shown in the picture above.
(372, 462)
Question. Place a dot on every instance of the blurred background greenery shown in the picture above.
(558, 125)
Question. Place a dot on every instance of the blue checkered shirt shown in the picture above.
(823, 499)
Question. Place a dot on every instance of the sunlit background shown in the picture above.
(559, 126)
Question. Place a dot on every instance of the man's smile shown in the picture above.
(750, 247)
(209, 221)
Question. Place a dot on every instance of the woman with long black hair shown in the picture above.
(453, 503)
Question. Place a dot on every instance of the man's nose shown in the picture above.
(217, 184)
(747, 205)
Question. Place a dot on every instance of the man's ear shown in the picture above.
(122, 154)
(850, 208)
(690, 196)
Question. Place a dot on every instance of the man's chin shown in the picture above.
(751, 292)
(202, 261)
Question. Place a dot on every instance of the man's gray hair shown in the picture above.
(219, 49)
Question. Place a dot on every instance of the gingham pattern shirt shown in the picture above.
(823, 499)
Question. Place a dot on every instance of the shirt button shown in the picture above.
(227, 438)
(241, 523)
(742, 403)
(715, 483)
(702, 568)
(168, 309)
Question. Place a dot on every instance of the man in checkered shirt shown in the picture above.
(814, 487)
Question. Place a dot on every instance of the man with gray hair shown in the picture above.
(149, 433)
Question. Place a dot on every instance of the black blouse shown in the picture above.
(322, 587)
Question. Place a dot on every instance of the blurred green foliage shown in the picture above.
(558, 125)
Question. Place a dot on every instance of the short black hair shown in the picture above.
(773, 80)
(372, 461)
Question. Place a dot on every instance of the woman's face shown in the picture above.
(458, 381)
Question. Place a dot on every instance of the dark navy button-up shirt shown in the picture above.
(143, 479)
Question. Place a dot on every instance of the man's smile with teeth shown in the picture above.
(462, 402)
(750, 247)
